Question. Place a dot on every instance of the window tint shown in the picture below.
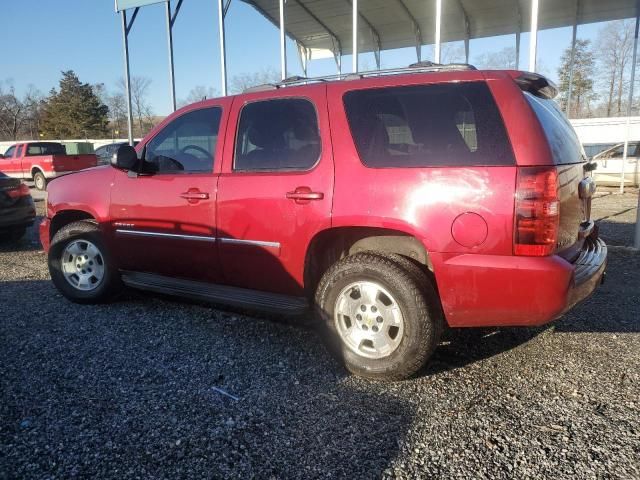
(19, 152)
(187, 144)
(45, 148)
(563, 141)
(9, 152)
(428, 125)
(277, 135)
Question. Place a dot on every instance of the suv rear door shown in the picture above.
(276, 186)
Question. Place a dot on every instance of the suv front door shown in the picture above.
(163, 216)
(275, 189)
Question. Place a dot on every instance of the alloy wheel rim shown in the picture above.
(83, 265)
(368, 319)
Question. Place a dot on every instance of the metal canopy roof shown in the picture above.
(324, 26)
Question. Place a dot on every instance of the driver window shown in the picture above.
(186, 145)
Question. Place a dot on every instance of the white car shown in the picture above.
(609, 171)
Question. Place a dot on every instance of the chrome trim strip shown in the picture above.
(256, 243)
(142, 233)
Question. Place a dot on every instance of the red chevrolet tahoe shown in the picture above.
(42, 161)
(392, 204)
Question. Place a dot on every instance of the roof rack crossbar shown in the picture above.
(421, 67)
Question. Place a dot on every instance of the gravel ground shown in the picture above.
(134, 389)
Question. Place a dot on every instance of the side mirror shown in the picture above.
(125, 158)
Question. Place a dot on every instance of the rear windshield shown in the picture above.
(563, 141)
(455, 124)
(45, 148)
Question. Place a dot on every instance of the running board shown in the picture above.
(222, 294)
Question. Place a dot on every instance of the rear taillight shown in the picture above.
(537, 212)
(20, 191)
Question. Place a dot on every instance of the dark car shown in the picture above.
(17, 210)
(105, 152)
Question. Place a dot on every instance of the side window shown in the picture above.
(9, 153)
(187, 144)
(34, 150)
(19, 152)
(279, 134)
(428, 125)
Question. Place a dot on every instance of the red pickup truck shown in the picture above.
(42, 161)
(391, 204)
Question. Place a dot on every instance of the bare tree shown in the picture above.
(196, 94)
(613, 55)
(142, 110)
(505, 58)
(12, 113)
(243, 81)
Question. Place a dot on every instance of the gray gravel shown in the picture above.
(128, 390)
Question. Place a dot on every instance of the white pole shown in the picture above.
(172, 80)
(127, 77)
(223, 51)
(438, 26)
(533, 41)
(283, 44)
(629, 107)
(354, 28)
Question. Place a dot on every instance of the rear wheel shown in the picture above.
(382, 313)
(39, 180)
(80, 264)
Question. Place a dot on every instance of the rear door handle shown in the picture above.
(193, 195)
(304, 195)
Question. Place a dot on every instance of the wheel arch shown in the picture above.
(35, 169)
(333, 244)
(65, 217)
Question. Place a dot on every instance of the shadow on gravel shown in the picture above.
(134, 389)
(616, 233)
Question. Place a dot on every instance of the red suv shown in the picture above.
(394, 203)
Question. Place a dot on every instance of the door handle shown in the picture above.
(304, 195)
(194, 195)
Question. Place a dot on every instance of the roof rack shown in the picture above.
(420, 67)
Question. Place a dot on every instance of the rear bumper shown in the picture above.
(491, 290)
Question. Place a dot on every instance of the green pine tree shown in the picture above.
(74, 111)
(582, 93)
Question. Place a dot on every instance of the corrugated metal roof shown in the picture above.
(325, 24)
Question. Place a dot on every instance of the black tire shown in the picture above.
(109, 285)
(414, 294)
(40, 180)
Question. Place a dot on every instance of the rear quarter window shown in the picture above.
(563, 141)
(453, 124)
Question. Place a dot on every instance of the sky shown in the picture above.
(41, 38)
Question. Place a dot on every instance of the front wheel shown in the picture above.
(80, 264)
(382, 312)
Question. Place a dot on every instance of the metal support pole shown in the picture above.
(354, 28)
(518, 50)
(223, 50)
(630, 102)
(573, 56)
(438, 30)
(172, 80)
(533, 41)
(283, 44)
(636, 240)
(127, 77)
